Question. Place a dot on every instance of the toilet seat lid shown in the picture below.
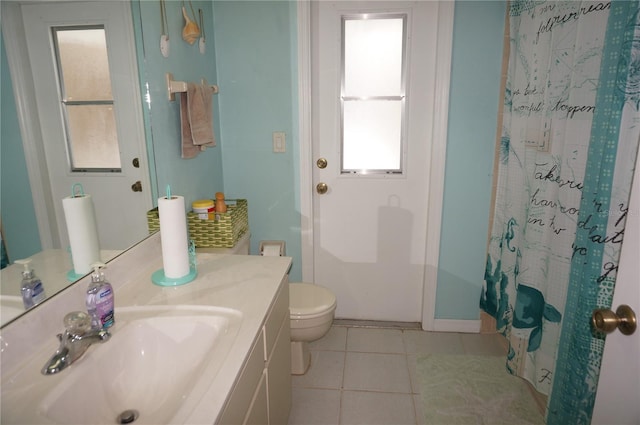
(307, 299)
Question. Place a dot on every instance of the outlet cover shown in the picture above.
(279, 142)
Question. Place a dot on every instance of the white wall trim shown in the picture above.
(449, 325)
(438, 157)
(304, 117)
(26, 108)
(138, 130)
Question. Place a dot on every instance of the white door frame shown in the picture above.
(438, 151)
(31, 131)
(26, 106)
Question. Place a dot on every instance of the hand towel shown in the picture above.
(196, 119)
(199, 97)
(188, 149)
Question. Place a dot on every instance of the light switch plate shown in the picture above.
(279, 142)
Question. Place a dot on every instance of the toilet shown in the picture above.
(312, 308)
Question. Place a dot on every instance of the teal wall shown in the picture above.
(16, 204)
(257, 69)
(473, 104)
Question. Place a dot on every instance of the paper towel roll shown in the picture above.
(80, 217)
(173, 236)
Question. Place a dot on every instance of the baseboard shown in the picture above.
(450, 325)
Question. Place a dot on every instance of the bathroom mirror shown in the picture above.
(52, 264)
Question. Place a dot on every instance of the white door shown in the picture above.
(370, 227)
(120, 211)
(618, 398)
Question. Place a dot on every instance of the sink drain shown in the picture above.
(127, 417)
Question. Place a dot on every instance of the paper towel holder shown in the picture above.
(160, 278)
(279, 244)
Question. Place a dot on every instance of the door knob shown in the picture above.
(322, 188)
(605, 320)
(137, 186)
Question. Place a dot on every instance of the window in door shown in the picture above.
(86, 98)
(373, 94)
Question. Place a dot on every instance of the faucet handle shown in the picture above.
(77, 323)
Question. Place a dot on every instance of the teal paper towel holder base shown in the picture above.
(72, 276)
(160, 279)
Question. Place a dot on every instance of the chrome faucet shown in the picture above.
(75, 340)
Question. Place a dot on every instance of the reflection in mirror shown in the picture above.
(44, 143)
(50, 266)
(87, 100)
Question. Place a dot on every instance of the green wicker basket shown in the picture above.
(153, 220)
(223, 232)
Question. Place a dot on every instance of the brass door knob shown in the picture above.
(322, 188)
(137, 186)
(605, 320)
(321, 163)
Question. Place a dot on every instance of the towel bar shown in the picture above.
(180, 86)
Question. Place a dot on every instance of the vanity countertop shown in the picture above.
(245, 283)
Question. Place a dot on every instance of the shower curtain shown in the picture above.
(569, 141)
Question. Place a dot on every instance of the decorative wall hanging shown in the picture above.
(164, 38)
(191, 31)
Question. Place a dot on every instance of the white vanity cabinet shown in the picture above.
(262, 392)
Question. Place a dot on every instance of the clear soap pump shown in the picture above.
(100, 300)
(31, 287)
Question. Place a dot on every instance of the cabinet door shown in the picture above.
(279, 310)
(258, 413)
(238, 403)
(279, 376)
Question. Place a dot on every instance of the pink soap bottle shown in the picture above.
(100, 300)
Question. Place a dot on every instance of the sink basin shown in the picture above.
(151, 365)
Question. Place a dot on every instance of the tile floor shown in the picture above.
(365, 375)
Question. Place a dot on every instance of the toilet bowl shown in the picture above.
(311, 308)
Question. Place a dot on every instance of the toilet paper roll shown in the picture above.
(173, 236)
(80, 217)
(271, 250)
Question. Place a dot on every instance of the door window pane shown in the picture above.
(373, 93)
(93, 136)
(373, 57)
(86, 98)
(368, 128)
(84, 64)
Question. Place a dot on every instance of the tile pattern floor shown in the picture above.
(362, 375)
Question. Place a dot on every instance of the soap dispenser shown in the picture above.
(31, 288)
(100, 299)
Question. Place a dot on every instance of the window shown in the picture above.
(86, 98)
(373, 93)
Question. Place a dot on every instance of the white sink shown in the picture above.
(152, 364)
